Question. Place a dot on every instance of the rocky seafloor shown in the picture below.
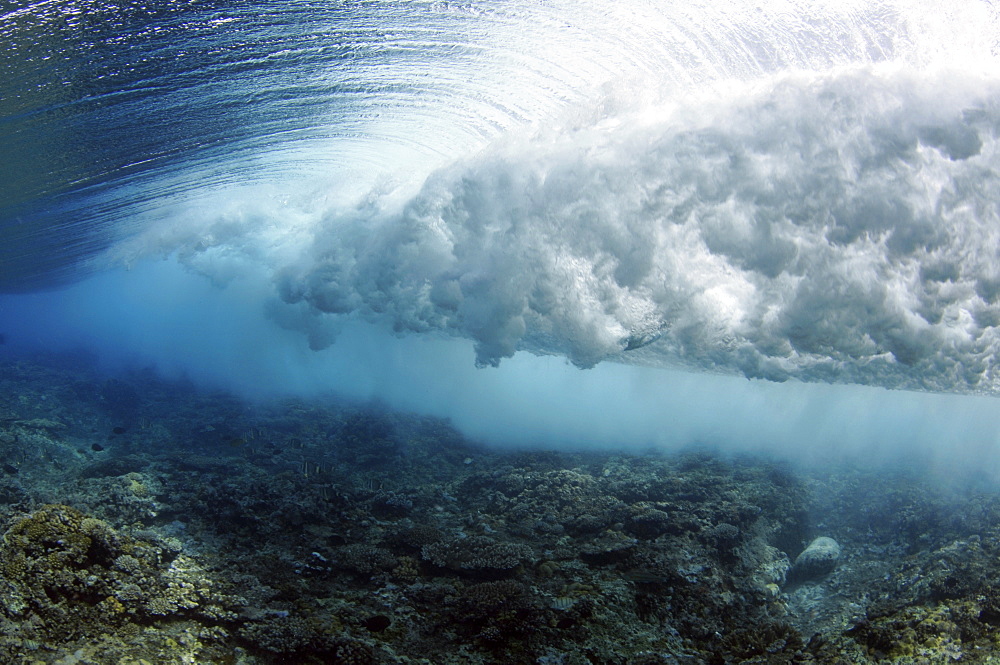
(147, 522)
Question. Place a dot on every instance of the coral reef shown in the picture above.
(147, 522)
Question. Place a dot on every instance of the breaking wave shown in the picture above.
(778, 190)
(841, 227)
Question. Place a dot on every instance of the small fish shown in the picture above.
(562, 603)
(10, 469)
(646, 577)
(97, 447)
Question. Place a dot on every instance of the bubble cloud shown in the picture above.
(840, 227)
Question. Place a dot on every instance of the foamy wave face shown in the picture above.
(838, 227)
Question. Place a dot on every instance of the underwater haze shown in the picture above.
(767, 226)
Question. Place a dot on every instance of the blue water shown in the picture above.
(377, 198)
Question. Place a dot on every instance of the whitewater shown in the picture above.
(754, 225)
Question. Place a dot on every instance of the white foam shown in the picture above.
(833, 227)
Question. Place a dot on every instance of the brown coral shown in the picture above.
(477, 554)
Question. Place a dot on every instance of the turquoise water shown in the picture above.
(543, 332)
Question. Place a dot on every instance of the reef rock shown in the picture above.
(816, 560)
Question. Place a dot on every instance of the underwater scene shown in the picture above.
(541, 332)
